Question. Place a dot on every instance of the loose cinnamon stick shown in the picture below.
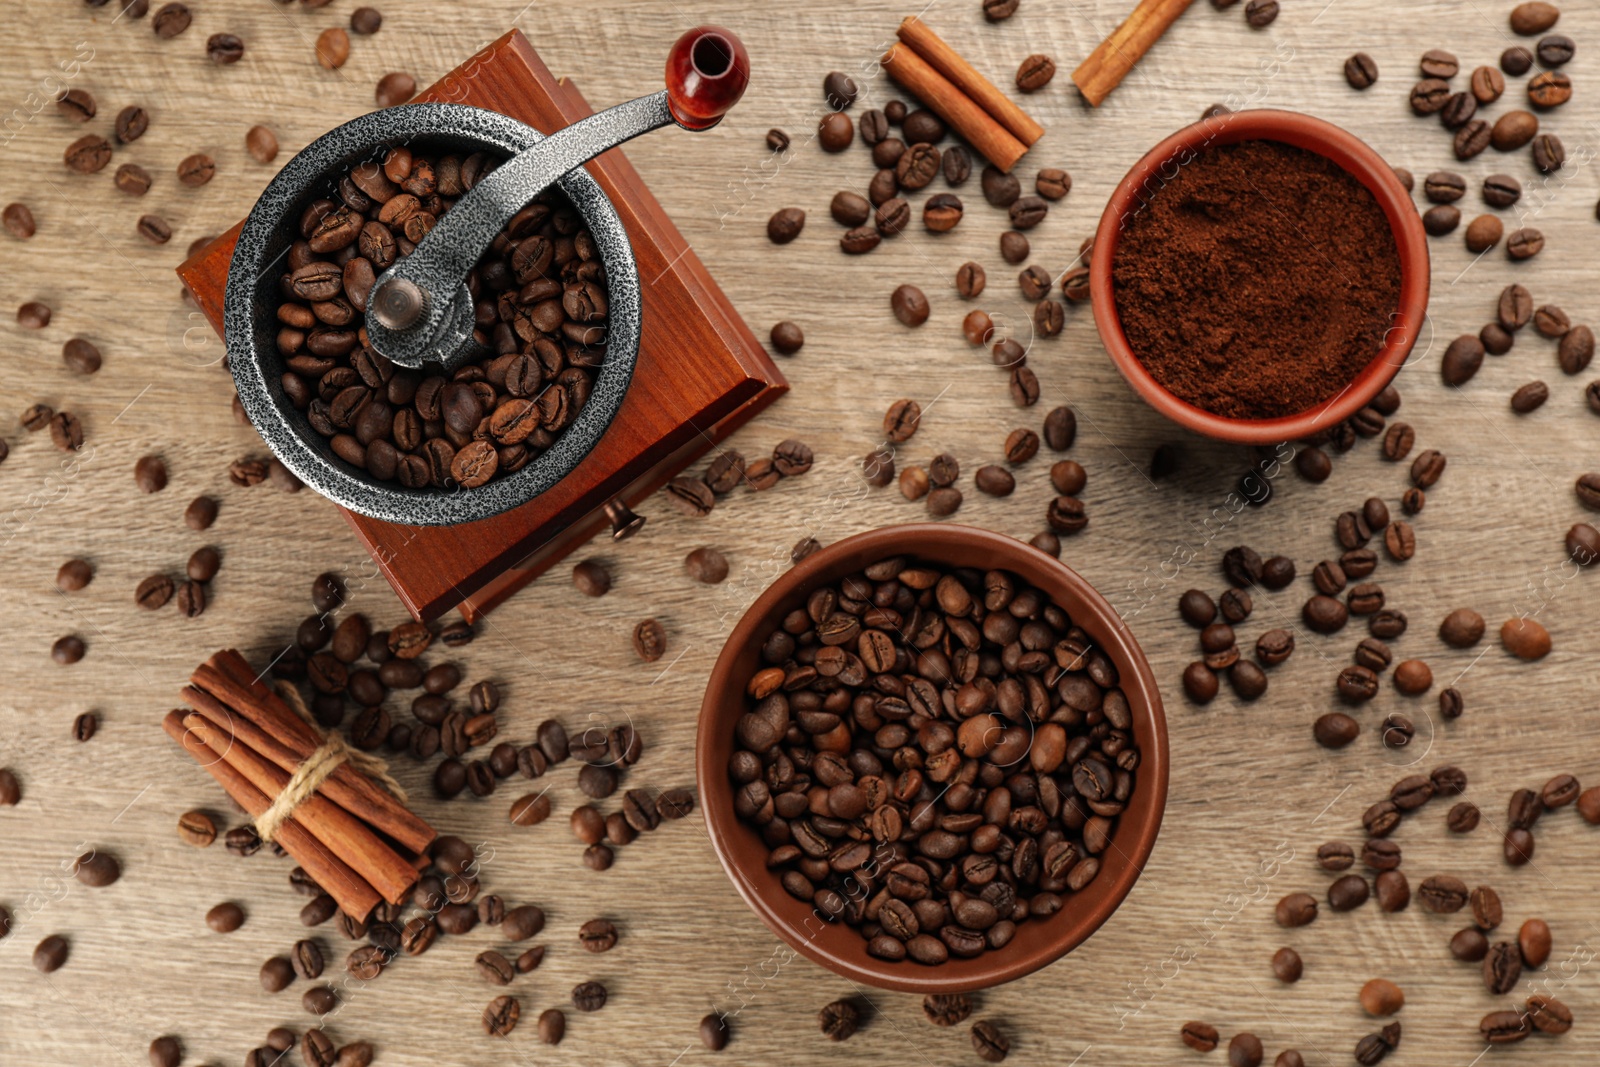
(391, 875)
(352, 893)
(992, 140)
(227, 677)
(1108, 64)
(964, 76)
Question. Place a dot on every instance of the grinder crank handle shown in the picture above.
(419, 309)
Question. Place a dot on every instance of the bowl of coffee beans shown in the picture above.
(932, 758)
(1260, 276)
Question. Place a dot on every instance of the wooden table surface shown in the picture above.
(1251, 795)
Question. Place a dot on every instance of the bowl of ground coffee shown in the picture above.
(932, 758)
(1260, 276)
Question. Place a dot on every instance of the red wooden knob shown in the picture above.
(707, 71)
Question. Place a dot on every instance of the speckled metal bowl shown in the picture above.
(253, 296)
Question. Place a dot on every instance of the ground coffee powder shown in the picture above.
(1258, 281)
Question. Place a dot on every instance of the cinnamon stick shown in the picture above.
(1109, 63)
(991, 140)
(352, 893)
(391, 875)
(227, 677)
(965, 77)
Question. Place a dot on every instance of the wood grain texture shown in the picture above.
(1252, 796)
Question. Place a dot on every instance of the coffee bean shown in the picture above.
(225, 918)
(1260, 14)
(1335, 730)
(1335, 856)
(170, 20)
(1548, 1015)
(901, 420)
(1533, 17)
(1296, 909)
(1443, 894)
(1437, 63)
(835, 132)
(500, 1017)
(1361, 71)
(785, 224)
(1202, 1037)
(1549, 155)
(1274, 647)
(1441, 219)
(589, 996)
(276, 974)
(1555, 50)
(1027, 212)
(1487, 85)
(1513, 130)
(84, 726)
(957, 166)
(224, 48)
(1516, 61)
(1483, 233)
(196, 170)
(1035, 73)
(1392, 891)
(1471, 139)
(1324, 615)
(1444, 187)
(909, 305)
(88, 154)
(1524, 243)
(1381, 997)
(1549, 89)
(1502, 967)
(1515, 307)
(1060, 429)
(1428, 96)
(307, 960)
(1348, 892)
(1458, 111)
(970, 280)
(1034, 283)
(1287, 966)
(18, 221)
(1576, 350)
(1501, 190)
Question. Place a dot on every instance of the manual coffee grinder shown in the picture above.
(681, 370)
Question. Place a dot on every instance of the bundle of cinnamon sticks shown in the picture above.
(352, 835)
(952, 88)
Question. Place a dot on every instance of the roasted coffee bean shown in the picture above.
(1381, 997)
(1348, 892)
(785, 224)
(1549, 154)
(1472, 139)
(1428, 96)
(1576, 350)
(909, 305)
(1502, 967)
(1287, 966)
(1548, 1015)
(1549, 89)
(970, 280)
(1443, 894)
(1555, 50)
(1027, 212)
(1458, 111)
(1392, 890)
(1202, 1037)
(1296, 909)
(1361, 71)
(1533, 941)
(1524, 243)
(1335, 730)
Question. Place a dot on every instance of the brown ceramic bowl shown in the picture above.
(1313, 135)
(838, 946)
